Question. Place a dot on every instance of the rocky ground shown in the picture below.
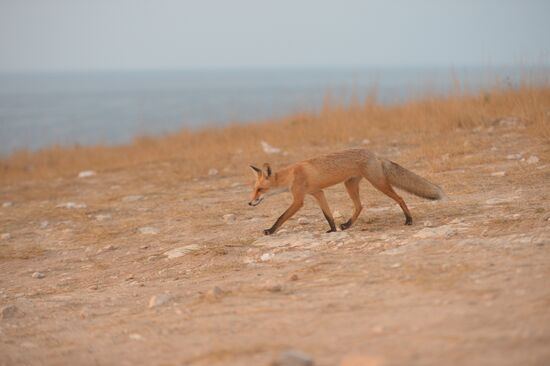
(133, 266)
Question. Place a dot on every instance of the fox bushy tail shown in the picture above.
(408, 181)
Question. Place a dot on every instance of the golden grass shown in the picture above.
(194, 153)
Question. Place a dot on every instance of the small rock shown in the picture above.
(109, 247)
(129, 277)
(303, 221)
(212, 172)
(215, 293)
(5, 236)
(533, 159)
(274, 288)
(9, 311)
(365, 141)
(132, 198)
(293, 358)
(71, 205)
(7, 204)
(38, 275)
(148, 230)
(513, 156)
(268, 149)
(229, 218)
(428, 223)
(86, 174)
(266, 256)
(103, 217)
(181, 251)
(93, 287)
(497, 200)
(294, 277)
(441, 231)
(159, 300)
(395, 265)
(498, 174)
(135, 337)
(44, 224)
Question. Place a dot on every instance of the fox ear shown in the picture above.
(258, 171)
(267, 170)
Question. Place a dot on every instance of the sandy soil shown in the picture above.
(468, 283)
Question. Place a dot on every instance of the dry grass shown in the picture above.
(193, 153)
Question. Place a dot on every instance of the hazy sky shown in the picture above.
(172, 34)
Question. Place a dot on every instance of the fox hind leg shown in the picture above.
(322, 201)
(384, 186)
(352, 186)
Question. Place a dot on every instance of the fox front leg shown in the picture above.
(294, 207)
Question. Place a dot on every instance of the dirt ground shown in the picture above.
(134, 266)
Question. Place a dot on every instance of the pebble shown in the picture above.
(212, 172)
(38, 275)
(5, 236)
(103, 217)
(294, 277)
(159, 300)
(293, 358)
(268, 149)
(86, 174)
(44, 224)
(132, 198)
(274, 288)
(71, 205)
(441, 231)
(215, 293)
(428, 224)
(498, 174)
(229, 218)
(148, 230)
(303, 221)
(7, 204)
(181, 251)
(533, 159)
(513, 156)
(135, 337)
(266, 256)
(9, 311)
(365, 141)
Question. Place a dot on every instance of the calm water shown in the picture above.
(39, 110)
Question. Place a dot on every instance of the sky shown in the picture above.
(56, 35)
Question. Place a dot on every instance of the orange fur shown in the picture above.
(348, 166)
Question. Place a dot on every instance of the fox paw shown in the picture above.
(268, 231)
(408, 221)
(332, 231)
(345, 225)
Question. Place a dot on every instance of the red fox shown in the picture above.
(348, 166)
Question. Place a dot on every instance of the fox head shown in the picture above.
(262, 184)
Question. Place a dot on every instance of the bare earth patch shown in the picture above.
(146, 268)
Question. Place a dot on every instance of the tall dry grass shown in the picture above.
(429, 121)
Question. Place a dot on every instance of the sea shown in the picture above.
(42, 109)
